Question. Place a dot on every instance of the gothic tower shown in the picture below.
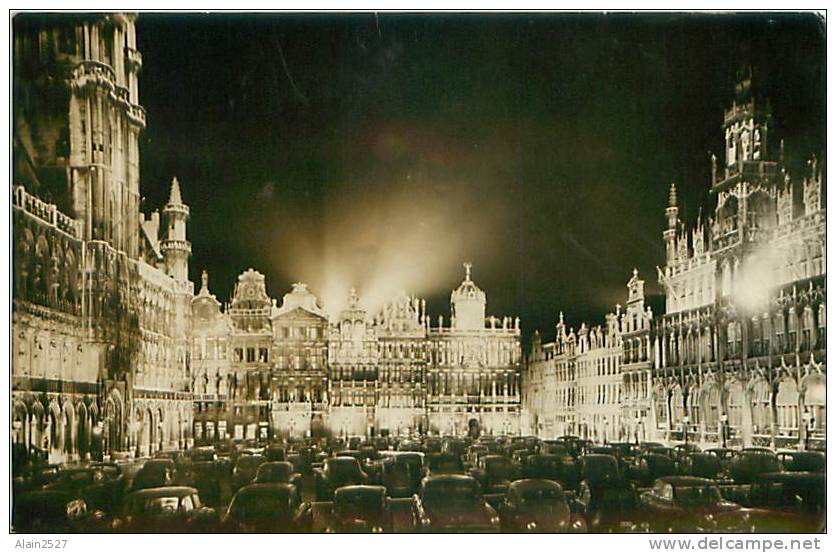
(78, 119)
(175, 248)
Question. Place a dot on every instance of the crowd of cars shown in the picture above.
(431, 484)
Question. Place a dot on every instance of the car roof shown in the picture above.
(449, 478)
(534, 484)
(687, 481)
(164, 491)
(260, 488)
(792, 476)
(360, 490)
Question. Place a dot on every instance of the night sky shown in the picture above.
(383, 151)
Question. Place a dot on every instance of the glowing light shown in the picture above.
(751, 291)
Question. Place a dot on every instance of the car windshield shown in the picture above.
(698, 495)
(359, 505)
(159, 506)
(543, 496)
(260, 506)
(451, 493)
(795, 495)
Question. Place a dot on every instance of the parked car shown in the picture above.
(275, 452)
(399, 478)
(206, 476)
(597, 468)
(538, 506)
(688, 504)
(54, 511)
(268, 508)
(361, 509)
(278, 472)
(495, 473)
(649, 466)
(703, 465)
(788, 502)
(335, 473)
(803, 461)
(444, 463)
(101, 485)
(245, 470)
(453, 503)
(752, 462)
(165, 509)
(154, 473)
(561, 469)
(607, 505)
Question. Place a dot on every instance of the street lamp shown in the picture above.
(685, 420)
(809, 421)
(724, 421)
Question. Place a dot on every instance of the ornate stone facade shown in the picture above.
(739, 355)
(293, 371)
(100, 314)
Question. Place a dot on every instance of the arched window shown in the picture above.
(736, 402)
(815, 402)
(792, 330)
(808, 329)
(710, 399)
(677, 407)
(822, 320)
(761, 412)
(780, 342)
(786, 402)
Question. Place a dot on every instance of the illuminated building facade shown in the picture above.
(738, 356)
(740, 351)
(292, 371)
(101, 296)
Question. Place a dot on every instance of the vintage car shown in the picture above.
(154, 473)
(245, 470)
(793, 502)
(101, 485)
(400, 477)
(54, 511)
(275, 452)
(704, 465)
(361, 509)
(453, 503)
(538, 506)
(444, 463)
(647, 467)
(206, 477)
(681, 450)
(688, 504)
(165, 509)
(474, 453)
(560, 468)
(495, 473)
(203, 454)
(607, 505)
(803, 461)
(278, 472)
(335, 473)
(267, 508)
(747, 465)
(597, 468)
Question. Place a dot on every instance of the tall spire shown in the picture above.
(672, 195)
(174, 197)
(467, 268)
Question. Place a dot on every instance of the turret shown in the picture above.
(174, 246)
(672, 215)
(468, 304)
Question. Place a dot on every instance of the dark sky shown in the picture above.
(384, 151)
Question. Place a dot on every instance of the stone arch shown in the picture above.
(20, 423)
(55, 427)
(735, 402)
(68, 428)
(676, 402)
(760, 209)
(40, 284)
(760, 395)
(37, 426)
(710, 404)
(660, 406)
(23, 263)
(82, 431)
(114, 420)
(814, 390)
(786, 406)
